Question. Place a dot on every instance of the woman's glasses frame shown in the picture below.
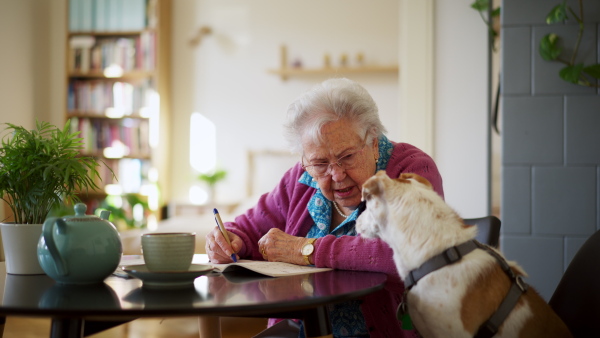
(345, 162)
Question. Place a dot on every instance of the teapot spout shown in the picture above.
(104, 214)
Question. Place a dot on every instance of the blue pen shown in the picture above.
(223, 231)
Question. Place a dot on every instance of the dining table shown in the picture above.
(122, 297)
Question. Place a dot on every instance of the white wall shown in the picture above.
(461, 96)
(32, 35)
(225, 77)
(16, 62)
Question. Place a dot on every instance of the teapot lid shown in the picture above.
(80, 209)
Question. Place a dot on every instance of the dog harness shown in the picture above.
(455, 254)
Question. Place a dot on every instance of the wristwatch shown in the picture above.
(308, 249)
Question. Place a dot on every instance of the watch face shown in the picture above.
(307, 249)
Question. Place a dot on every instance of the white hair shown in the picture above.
(330, 101)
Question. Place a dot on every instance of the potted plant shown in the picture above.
(39, 170)
(211, 179)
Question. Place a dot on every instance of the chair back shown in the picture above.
(488, 229)
(576, 299)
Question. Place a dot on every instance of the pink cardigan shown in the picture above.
(286, 208)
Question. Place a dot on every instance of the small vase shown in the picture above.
(20, 248)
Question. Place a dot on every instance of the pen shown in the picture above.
(223, 231)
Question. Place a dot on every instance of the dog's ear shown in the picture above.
(414, 177)
(374, 185)
(370, 188)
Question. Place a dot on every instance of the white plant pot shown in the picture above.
(20, 248)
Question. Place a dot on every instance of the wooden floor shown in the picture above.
(21, 327)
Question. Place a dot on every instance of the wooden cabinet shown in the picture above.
(117, 97)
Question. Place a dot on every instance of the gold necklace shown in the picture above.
(338, 210)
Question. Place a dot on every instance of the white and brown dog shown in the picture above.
(457, 299)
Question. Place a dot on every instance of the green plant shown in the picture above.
(42, 168)
(119, 216)
(483, 6)
(550, 45)
(550, 50)
(213, 178)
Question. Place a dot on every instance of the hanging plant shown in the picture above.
(550, 50)
(482, 7)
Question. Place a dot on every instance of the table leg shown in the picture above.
(316, 323)
(209, 327)
(93, 327)
(66, 328)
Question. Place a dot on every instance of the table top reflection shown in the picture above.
(213, 294)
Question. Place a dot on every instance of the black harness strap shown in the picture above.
(518, 287)
(449, 256)
(453, 255)
(491, 326)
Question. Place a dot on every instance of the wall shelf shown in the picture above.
(135, 74)
(284, 73)
(99, 154)
(106, 33)
(100, 115)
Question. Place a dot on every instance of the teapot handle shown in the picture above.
(47, 230)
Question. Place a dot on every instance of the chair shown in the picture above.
(488, 229)
(576, 299)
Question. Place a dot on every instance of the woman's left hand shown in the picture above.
(278, 246)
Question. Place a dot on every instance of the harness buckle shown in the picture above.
(452, 255)
(521, 284)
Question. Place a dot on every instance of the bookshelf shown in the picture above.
(118, 97)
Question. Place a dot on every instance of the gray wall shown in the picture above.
(550, 143)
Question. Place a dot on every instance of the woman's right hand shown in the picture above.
(218, 249)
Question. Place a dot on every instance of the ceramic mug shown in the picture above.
(168, 251)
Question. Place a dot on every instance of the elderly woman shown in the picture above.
(309, 218)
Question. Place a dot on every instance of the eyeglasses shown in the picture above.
(345, 162)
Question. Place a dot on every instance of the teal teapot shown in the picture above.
(79, 249)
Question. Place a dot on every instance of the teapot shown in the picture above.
(79, 249)
(80, 296)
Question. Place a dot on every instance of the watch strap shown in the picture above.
(310, 241)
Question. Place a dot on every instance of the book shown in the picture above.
(80, 48)
(74, 16)
(86, 12)
(271, 269)
(100, 15)
(113, 10)
(133, 15)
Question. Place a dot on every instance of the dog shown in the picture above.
(457, 299)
